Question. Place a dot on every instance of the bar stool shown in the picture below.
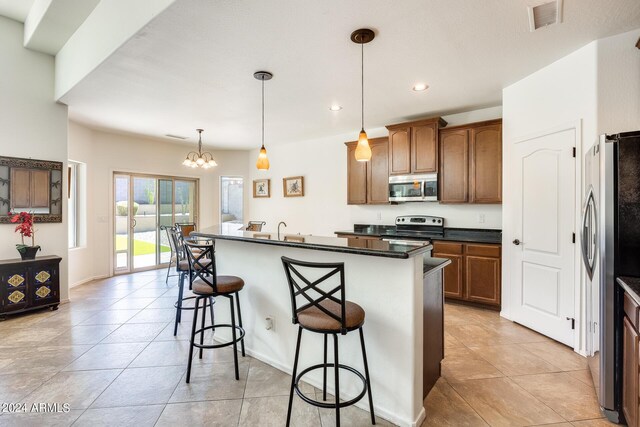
(207, 285)
(186, 228)
(173, 261)
(182, 270)
(328, 314)
(255, 226)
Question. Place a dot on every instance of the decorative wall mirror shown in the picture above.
(33, 186)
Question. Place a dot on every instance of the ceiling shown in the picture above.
(16, 10)
(193, 65)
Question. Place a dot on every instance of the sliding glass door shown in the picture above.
(142, 204)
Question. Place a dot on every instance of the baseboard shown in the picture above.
(421, 417)
(362, 404)
(90, 279)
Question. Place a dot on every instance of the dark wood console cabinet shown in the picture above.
(29, 285)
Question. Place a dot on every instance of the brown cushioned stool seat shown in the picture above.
(225, 285)
(317, 320)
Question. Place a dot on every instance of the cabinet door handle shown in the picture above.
(517, 242)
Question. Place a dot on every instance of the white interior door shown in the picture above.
(544, 251)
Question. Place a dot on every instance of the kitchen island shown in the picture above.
(399, 287)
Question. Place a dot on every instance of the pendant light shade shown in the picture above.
(363, 150)
(263, 160)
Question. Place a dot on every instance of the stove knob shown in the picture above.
(433, 220)
(439, 221)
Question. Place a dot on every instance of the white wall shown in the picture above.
(32, 125)
(619, 83)
(563, 93)
(324, 210)
(598, 86)
(105, 153)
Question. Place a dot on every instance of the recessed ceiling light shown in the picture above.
(335, 108)
(419, 87)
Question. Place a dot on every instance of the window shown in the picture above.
(75, 177)
(231, 199)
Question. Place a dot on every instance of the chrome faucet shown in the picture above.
(279, 224)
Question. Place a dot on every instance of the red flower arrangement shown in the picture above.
(25, 227)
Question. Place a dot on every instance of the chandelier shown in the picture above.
(199, 159)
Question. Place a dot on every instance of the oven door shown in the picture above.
(413, 188)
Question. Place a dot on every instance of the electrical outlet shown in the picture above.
(270, 323)
(379, 216)
(481, 218)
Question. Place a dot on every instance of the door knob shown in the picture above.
(517, 242)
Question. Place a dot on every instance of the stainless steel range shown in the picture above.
(416, 229)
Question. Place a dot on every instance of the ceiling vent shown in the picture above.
(175, 136)
(545, 14)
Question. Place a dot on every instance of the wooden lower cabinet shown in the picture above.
(453, 277)
(630, 367)
(474, 274)
(357, 237)
(482, 281)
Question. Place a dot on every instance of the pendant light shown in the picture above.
(199, 160)
(363, 150)
(263, 160)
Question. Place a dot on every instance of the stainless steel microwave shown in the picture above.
(413, 188)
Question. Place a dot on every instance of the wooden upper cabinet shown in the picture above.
(454, 166)
(424, 148)
(400, 151)
(485, 164)
(413, 146)
(470, 163)
(356, 177)
(368, 182)
(378, 172)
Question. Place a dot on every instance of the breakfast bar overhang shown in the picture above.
(399, 286)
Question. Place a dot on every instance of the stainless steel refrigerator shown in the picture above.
(610, 248)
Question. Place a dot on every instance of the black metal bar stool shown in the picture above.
(328, 313)
(207, 285)
(173, 261)
(182, 269)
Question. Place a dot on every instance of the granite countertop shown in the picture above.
(378, 248)
(471, 235)
(431, 265)
(632, 286)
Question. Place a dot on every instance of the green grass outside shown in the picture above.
(139, 247)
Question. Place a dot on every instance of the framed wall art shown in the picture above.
(29, 185)
(261, 188)
(293, 186)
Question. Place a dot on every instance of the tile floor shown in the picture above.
(112, 356)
